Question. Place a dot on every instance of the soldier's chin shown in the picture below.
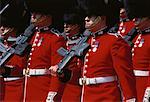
(87, 26)
(67, 33)
(33, 20)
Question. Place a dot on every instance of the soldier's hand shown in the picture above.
(53, 70)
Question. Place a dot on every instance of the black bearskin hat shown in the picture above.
(14, 14)
(73, 18)
(52, 7)
(121, 3)
(55, 8)
(108, 8)
(137, 8)
(73, 14)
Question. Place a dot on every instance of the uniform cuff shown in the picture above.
(130, 100)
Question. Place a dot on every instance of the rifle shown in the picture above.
(55, 31)
(131, 35)
(18, 47)
(76, 50)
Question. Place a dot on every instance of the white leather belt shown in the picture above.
(29, 72)
(96, 80)
(141, 73)
(11, 78)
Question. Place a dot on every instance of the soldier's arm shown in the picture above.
(122, 61)
(55, 84)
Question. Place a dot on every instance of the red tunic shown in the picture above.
(125, 27)
(108, 56)
(141, 60)
(72, 91)
(148, 81)
(15, 87)
(13, 84)
(43, 55)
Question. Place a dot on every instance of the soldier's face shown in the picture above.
(89, 21)
(35, 17)
(4, 30)
(123, 13)
(67, 28)
(70, 29)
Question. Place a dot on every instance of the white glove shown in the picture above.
(50, 96)
(147, 95)
(131, 100)
(53, 70)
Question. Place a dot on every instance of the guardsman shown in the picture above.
(73, 27)
(40, 86)
(107, 74)
(125, 24)
(11, 26)
(140, 51)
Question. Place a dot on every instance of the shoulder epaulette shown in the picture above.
(55, 31)
(146, 31)
(131, 35)
(124, 20)
(114, 34)
(113, 30)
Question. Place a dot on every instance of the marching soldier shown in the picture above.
(140, 51)
(11, 25)
(125, 24)
(107, 72)
(39, 85)
(73, 25)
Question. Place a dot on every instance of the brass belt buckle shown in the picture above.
(27, 72)
(84, 81)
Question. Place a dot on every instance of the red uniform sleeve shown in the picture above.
(18, 63)
(56, 43)
(149, 71)
(122, 62)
